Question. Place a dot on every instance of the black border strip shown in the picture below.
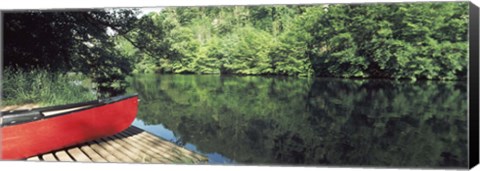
(473, 140)
(1, 69)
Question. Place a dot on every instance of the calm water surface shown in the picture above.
(294, 121)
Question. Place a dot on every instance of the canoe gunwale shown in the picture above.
(41, 110)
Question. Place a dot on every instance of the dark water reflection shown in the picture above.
(289, 121)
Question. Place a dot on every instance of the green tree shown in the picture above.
(396, 41)
(392, 41)
(68, 41)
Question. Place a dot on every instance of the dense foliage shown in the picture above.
(61, 41)
(392, 40)
(407, 40)
(288, 121)
(404, 40)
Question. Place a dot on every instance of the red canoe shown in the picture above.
(32, 132)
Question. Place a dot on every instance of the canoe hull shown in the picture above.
(33, 138)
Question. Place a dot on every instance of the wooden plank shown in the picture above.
(169, 145)
(78, 155)
(104, 153)
(142, 156)
(18, 107)
(159, 150)
(63, 156)
(49, 157)
(166, 151)
(134, 153)
(92, 154)
(121, 149)
(160, 155)
(171, 152)
(131, 142)
(111, 150)
(34, 158)
(132, 145)
(141, 138)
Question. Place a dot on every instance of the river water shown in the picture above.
(298, 121)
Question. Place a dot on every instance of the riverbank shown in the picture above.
(43, 88)
(19, 107)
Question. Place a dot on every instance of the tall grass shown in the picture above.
(43, 88)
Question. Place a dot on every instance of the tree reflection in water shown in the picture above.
(287, 121)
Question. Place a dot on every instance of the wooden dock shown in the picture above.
(133, 145)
